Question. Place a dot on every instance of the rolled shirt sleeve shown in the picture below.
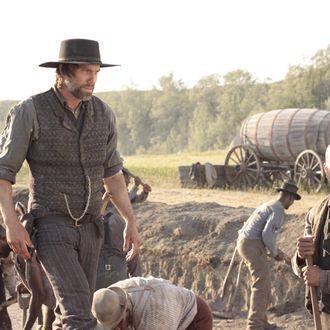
(113, 163)
(21, 127)
(270, 231)
(133, 193)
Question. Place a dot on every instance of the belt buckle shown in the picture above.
(76, 223)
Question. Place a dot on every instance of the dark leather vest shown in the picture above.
(320, 230)
(62, 159)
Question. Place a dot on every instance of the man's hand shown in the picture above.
(116, 185)
(131, 240)
(137, 181)
(146, 188)
(305, 247)
(18, 239)
(311, 275)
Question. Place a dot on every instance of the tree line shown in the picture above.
(172, 118)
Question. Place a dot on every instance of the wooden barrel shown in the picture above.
(280, 135)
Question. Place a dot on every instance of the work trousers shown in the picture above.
(111, 269)
(203, 320)
(69, 255)
(9, 275)
(255, 257)
(325, 321)
(5, 323)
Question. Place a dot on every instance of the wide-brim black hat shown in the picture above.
(289, 187)
(78, 51)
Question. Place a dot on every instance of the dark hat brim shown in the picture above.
(296, 196)
(54, 65)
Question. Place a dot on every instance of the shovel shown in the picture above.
(218, 304)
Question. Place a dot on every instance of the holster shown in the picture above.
(27, 221)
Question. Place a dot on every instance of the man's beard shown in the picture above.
(77, 92)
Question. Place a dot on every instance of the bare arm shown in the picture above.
(17, 237)
(116, 186)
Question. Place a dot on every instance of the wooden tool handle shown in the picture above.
(315, 305)
(105, 201)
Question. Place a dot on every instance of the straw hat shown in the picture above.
(109, 307)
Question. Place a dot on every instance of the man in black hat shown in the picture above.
(256, 237)
(69, 139)
(316, 243)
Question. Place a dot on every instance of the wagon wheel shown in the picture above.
(308, 170)
(242, 167)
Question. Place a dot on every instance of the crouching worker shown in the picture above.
(148, 304)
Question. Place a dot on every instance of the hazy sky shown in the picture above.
(153, 38)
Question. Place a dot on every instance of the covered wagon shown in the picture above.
(279, 144)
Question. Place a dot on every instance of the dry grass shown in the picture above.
(161, 172)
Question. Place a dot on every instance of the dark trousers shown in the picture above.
(203, 320)
(111, 269)
(5, 323)
(69, 256)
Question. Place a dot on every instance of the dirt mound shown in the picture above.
(192, 245)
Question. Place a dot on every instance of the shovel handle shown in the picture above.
(225, 281)
(105, 202)
(315, 305)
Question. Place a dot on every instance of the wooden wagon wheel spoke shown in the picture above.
(300, 166)
(242, 167)
(234, 160)
(250, 157)
(315, 178)
(313, 162)
(241, 153)
(248, 181)
(255, 170)
(308, 170)
(239, 157)
(307, 160)
(315, 166)
(304, 161)
(252, 163)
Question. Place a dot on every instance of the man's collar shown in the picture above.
(63, 101)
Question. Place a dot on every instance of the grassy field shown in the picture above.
(162, 170)
(158, 170)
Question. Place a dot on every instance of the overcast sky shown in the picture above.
(153, 38)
